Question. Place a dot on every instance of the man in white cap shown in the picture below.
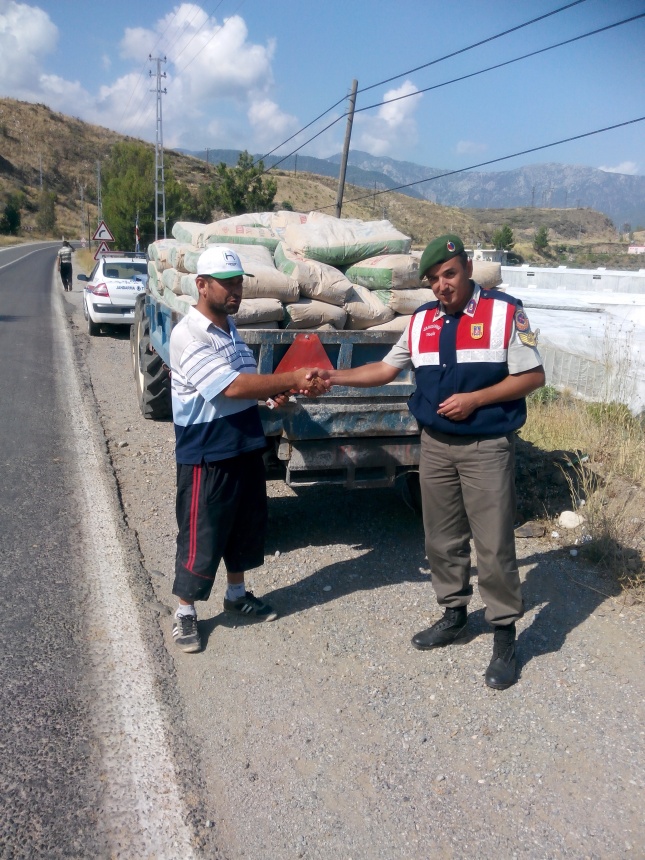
(221, 484)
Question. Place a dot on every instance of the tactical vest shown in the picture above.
(460, 353)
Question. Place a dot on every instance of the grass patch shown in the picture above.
(605, 475)
(84, 260)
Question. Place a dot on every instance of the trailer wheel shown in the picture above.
(151, 376)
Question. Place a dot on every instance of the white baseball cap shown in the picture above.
(220, 263)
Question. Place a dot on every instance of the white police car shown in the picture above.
(111, 290)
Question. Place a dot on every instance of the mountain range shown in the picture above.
(557, 186)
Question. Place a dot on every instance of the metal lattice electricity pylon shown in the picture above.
(160, 182)
(99, 198)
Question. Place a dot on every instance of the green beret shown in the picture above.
(439, 250)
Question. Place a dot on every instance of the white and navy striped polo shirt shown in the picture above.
(204, 360)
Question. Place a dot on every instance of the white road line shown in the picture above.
(141, 808)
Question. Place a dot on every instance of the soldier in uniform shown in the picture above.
(475, 360)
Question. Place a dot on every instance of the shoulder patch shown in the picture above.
(522, 323)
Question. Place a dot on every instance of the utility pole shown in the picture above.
(40, 162)
(348, 136)
(81, 191)
(295, 165)
(160, 182)
(99, 201)
(207, 151)
(533, 197)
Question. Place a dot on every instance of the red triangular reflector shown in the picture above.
(305, 351)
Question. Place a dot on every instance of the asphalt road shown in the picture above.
(74, 714)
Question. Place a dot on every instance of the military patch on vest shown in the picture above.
(529, 338)
(476, 330)
(522, 321)
(470, 307)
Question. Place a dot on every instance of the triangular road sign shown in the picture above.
(102, 249)
(102, 234)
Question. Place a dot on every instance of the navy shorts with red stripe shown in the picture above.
(221, 514)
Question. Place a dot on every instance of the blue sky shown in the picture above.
(248, 74)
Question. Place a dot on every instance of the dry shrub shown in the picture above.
(607, 475)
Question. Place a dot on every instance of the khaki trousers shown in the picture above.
(468, 490)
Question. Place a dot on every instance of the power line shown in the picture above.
(199, 29)
(207, 43)
(373, 194)
(305, 127)
(418, 68)
(505, 63)
(475, 45)
(453, 81)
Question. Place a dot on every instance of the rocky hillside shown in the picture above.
(36, 141)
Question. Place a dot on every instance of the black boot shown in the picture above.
(502, 669)
(444, 631)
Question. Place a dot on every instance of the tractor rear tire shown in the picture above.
(151, 376)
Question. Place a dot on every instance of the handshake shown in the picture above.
(316, 382)
(308, 381)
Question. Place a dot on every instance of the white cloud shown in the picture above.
(219, 84)
(27, 35)
(628, 167)
(269, 122)
(393, 122)
(469, 147)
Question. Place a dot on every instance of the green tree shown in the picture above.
(46, 217)
(128, 188)
(541, 239)
(503, 239)
(241, 188)
(10, 218)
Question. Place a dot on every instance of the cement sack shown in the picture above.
(156, 290)
(161, 252)
(486, 274)
(406, 301)
(365, 309)
(178, 253)
(171, 279)
(247, 219)
(188, 231)
(238, 235)
(386, 272)
(339, 242)
(316, 280)
(399, 323)
(249, 256)
(154, 275)
(267, 282)
(190, 258)
(188, 287)
(178, 303)
(253, 311)
(282, 219)
(309, 313)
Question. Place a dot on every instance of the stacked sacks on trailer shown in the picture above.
(266, 290)
(309, 271)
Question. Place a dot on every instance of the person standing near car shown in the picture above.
(475, 360)
(221, 500)
(64, 258)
